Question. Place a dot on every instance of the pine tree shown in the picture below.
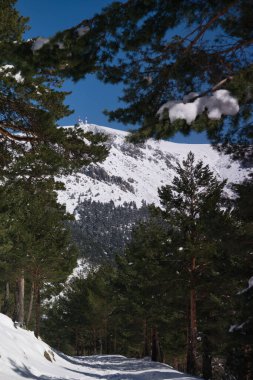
(162, 51)
(192, 205)
(78, 320)
(137, 287)
(31, 104)
(41, 246)
(240, 344)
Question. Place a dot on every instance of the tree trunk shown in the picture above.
(146, 350)
(77, 342)
(6, 304)
(16, 305)
(18, 314)
(94, 341)
(206, 359)
(155, 351)
(30, 305)
(21, 297)
(192, 325)
(248, 356)
(101, 343)
(37, 311)
(115, 341)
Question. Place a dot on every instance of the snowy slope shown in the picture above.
(22, 356)
(134, 172)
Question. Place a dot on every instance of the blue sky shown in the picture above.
(89, 97)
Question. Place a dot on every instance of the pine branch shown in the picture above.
(17, 137)
(209, 24)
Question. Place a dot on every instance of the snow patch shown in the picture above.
(9, 71)
(216, 105)
(133, 173)
(82, 30)
(39, 43)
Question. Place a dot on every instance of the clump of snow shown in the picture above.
(39, 43)
(81, 270)
(60, 45)
(8, 71)
(250, 285)
(82, 30)
(216, 105)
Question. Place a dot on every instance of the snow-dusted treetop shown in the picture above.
(216, 105)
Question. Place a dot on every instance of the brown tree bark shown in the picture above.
(146, 348)
(6, 304)
(30, 305)
(37, 311)
(192, 325)
(21, 298)
(155, 348)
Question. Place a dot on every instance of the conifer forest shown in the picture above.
(168, 280)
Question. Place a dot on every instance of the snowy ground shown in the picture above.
(22, 357)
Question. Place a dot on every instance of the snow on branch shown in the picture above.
(82, 30)
(39, 43)
(249, 286)
(221, 102)
(9, 71)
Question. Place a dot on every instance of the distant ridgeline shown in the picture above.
(103, 229)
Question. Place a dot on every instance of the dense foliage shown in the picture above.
(103, 229)
(161, 50)
(31, 103)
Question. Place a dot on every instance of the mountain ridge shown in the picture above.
(134, 172)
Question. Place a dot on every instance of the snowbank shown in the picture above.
(24, 356)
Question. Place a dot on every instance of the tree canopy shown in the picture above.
(161, 51)
(31, 104)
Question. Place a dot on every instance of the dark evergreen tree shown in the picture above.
(103, 229)
(240, 344)
(41, 248)
(31, 104)
(146, 304)
(78, 320)
(162, 50)
(192, 206)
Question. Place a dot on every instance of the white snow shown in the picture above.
(250, 285)
(216, 105)
(9, 71)
(82, 30)
(22, 356)
(145, 167)
(250, 282)
(81, 271)
(39, 43)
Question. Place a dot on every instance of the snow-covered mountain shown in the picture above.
(135, 172)
(22, 356)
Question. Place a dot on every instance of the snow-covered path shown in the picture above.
(105, 368)
(22, 356)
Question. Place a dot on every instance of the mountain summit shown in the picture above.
(134, 172)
